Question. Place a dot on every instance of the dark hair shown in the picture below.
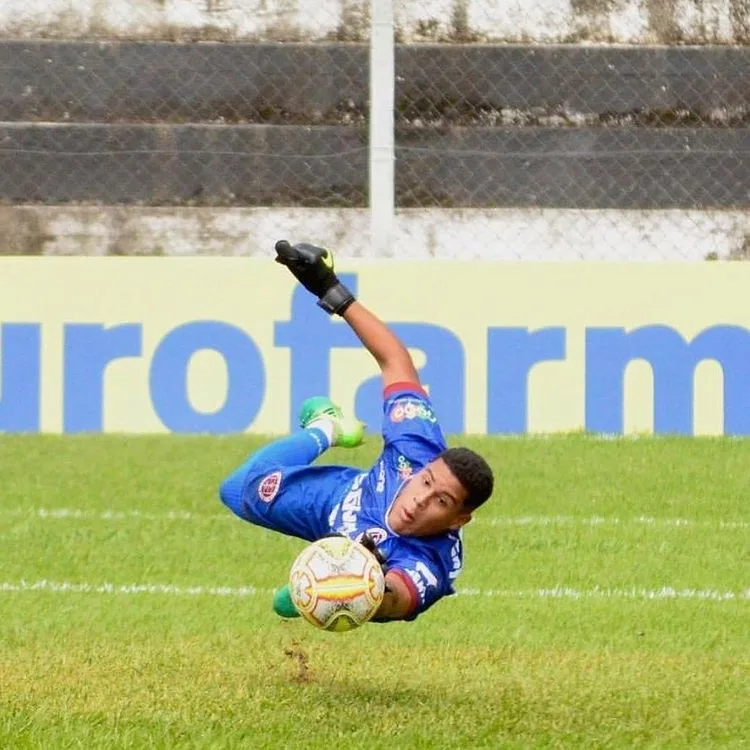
(473, 472)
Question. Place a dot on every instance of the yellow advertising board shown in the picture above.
(222, 345)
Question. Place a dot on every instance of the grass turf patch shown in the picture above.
(605, 602)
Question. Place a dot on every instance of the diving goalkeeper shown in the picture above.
(410, 505)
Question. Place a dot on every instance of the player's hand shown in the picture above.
(369, 544)
(312, 266)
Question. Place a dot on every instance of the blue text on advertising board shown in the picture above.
(511, 354)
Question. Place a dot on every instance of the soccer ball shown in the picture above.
(336, 584)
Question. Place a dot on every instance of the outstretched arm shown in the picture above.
(392, 356)
(312, 266)
(398, 600)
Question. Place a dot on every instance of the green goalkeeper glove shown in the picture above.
(312, 266)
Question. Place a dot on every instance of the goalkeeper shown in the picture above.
(408, 508)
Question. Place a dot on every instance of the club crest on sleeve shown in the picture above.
(269, 486)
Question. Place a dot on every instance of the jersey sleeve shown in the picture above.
(426, 582)
(410, 424)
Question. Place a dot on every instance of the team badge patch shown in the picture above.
(375, 533)
(269, 487)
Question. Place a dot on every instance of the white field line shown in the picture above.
(112, 515)
(555, 592)
(594, 521)
(615, 521)
(66, 587)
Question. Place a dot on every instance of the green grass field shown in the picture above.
(605, 602)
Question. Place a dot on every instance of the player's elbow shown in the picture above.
(230, 493)
(225, 492)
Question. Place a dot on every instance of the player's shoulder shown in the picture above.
(404, 389)
(403, 386)
(440, 548)
(432, 564)
(405, 402)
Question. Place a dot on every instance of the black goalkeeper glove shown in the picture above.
(312, 266)
(369, 543)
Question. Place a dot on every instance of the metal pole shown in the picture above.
(382, 98)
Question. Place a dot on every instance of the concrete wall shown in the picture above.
(478, 126)
(548, 21)
(523, 86)
(420, 234)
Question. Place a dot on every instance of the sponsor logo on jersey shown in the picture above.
(333, 514)
(380, 487)
(456, 559)
(423, 577)
(269, 487)
(351, 505)
(404, 409)
(404, 467)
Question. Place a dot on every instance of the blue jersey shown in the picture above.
(311, 502)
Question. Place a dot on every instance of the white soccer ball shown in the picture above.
(336, 584)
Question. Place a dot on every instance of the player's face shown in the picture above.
(431, 502)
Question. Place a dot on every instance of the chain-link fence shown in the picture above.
(597, 152)
(184, 124)
(528, 151)
(483, 126)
